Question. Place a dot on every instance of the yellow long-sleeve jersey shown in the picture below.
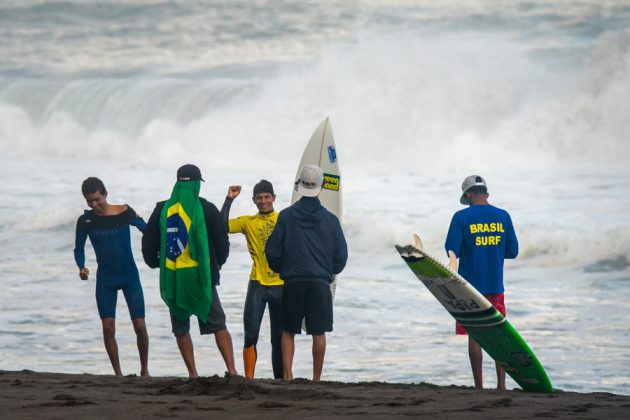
(257, 229)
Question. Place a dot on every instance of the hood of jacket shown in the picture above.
(309, 212)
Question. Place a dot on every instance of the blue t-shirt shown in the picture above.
(482, 236)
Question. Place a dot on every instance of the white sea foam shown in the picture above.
(399, 97)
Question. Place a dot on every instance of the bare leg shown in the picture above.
(288, 350)
(224, 343)
(319, 350)
(142, 340)
(109, 338)
(184, 342)
(500, 378)
(476, 362)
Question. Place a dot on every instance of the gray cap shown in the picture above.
(469, 182)
(311, 181)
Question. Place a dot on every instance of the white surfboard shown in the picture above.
(321, 151)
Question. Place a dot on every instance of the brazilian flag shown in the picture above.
(185, 277)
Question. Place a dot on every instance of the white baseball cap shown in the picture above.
(469, 182)
(311, 181)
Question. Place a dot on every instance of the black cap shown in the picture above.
(189, 172)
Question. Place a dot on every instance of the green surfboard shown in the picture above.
(478, 317)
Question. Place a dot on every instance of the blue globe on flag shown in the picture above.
(176, 236)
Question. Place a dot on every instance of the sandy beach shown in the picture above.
(28, 394)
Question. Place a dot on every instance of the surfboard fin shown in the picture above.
(452, 261)
(417, 241)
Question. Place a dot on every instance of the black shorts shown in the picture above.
(215, 322)
(308, 300)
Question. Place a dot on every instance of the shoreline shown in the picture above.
(28, 394)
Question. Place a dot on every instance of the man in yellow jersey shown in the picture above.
(265, 286)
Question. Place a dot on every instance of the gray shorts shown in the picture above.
(215, 322)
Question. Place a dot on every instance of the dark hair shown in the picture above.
(92, 185)
(477, 189)
(263, 186)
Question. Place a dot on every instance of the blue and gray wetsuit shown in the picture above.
(111, 239)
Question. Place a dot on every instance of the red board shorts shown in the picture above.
(496, 300)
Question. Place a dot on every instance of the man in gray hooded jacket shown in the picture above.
(307, 248)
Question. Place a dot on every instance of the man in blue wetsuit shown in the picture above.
(107, 226)
(482, 236)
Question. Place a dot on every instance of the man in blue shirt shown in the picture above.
(482, 236)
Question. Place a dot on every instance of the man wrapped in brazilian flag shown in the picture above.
(185, 278)
(186, 238)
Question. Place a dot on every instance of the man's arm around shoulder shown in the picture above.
(136, 220)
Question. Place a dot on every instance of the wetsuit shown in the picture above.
(264, 288)
(111, 239)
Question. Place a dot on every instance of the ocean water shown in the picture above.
(530, 94)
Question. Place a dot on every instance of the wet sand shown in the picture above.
(27, 394)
